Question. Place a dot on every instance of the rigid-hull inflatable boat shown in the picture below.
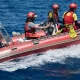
(18, 46)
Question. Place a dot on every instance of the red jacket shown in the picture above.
(68, 18)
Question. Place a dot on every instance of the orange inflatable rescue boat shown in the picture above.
(18, 46)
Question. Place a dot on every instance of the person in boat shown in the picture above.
(53, 17)
(30, 27)
(70, 20)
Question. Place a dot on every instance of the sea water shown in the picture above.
(58, 64)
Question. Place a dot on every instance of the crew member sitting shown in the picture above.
(53, 17)
(30, 27)
(70, 20)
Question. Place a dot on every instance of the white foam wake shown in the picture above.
(58, 55)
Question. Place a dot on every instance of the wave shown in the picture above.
(50, 56)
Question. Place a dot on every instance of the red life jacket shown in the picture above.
(55, 15)
(68, 18)
(29, 29)
(30, 32)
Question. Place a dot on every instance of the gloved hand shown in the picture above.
(43, 23)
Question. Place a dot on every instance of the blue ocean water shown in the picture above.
(59, 64)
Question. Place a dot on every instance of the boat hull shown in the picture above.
(37, 48)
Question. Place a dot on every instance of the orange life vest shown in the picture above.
(68, 18)
(29, 29)
(30, 32)
(55, 15)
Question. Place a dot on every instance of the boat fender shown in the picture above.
(16, 33)
(20, 40)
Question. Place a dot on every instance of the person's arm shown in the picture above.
(76, 20)
(63, 21)
(77, 24)
(63, 16)
(60, 21)
(44, 27)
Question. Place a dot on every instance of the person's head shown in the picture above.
(55, 7)
(31, 16)
(73, 6)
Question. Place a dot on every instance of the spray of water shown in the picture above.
(57, 55)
